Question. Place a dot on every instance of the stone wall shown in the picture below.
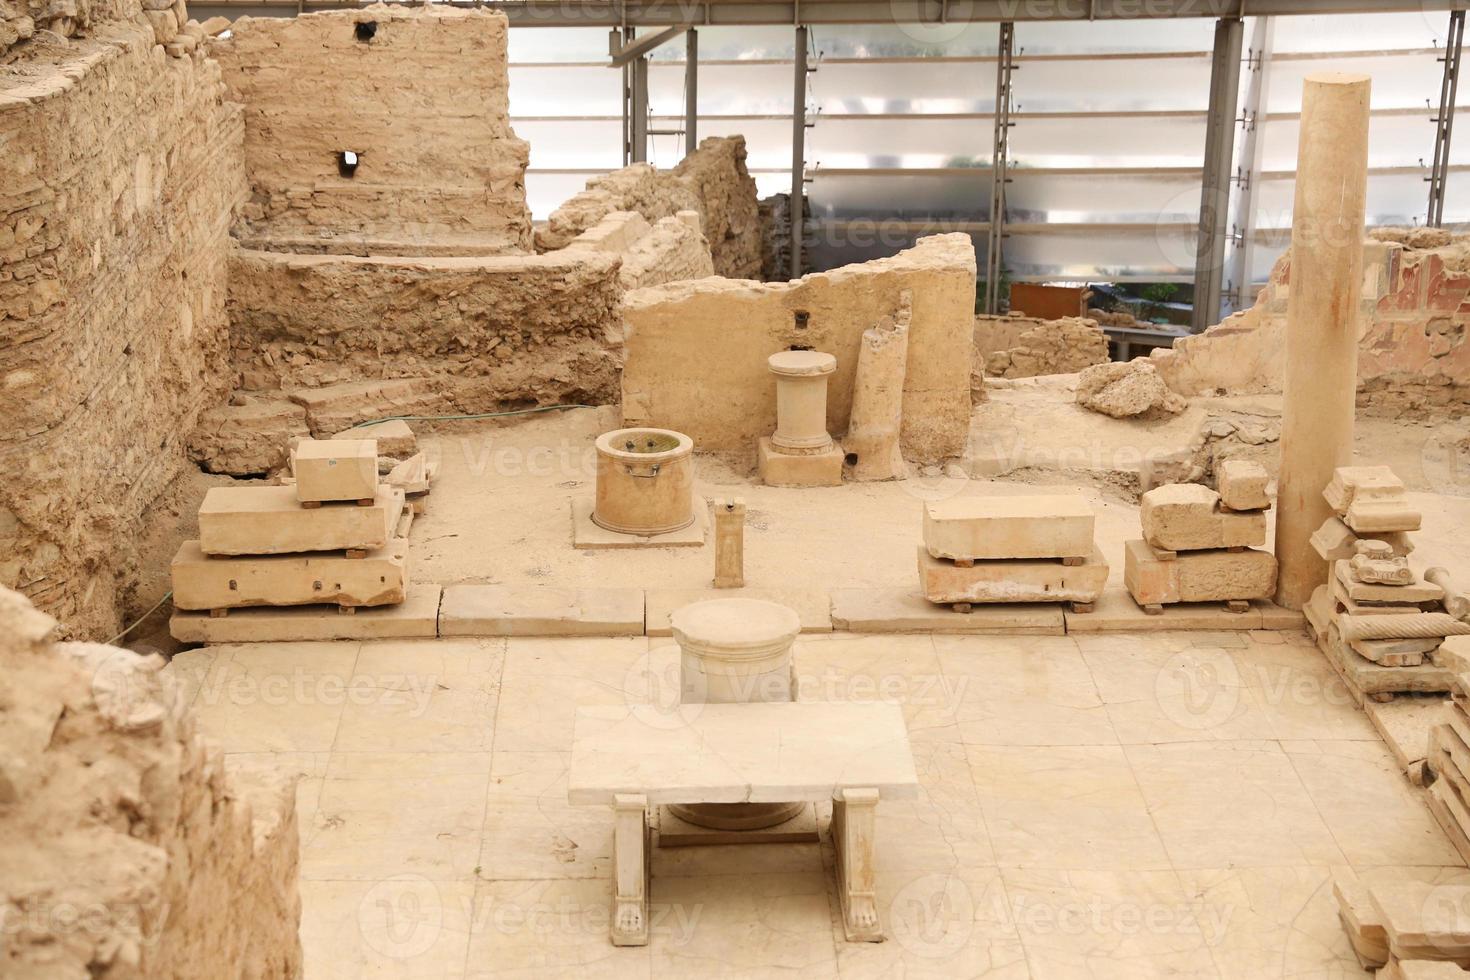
(119, 171)
(129, 851)
(420, 94)
(712, 180)
(1412, 358)
(481, 333)
(21, 19)
(669, 249)
(1018, 346)
(697, 350)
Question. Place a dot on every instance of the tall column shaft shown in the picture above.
(1321, 320)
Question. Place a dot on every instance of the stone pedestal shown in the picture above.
(645, 481)
(730, 543)
(735, 651)
(871, 446)
(801, 453)
(1321, 376)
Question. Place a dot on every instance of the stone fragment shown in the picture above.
(1016, 580)
(1160, 467)
(203, 582)
(1187, 517)
(165, 25)
(1396, 653)
(1368, 482)
(248, 438)
(871, 444)
(1197, 576)
(1361, 921)
(1127, 389)
(394, 437)
(215, 25)
(271, 521)
(411, 476)
(1424, 920)
(1335, 540)
(335, 469)
(1242, 484)
(1043, 526)
(1376, 563)
(1417, 591)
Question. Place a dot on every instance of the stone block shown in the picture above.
(587, 533)
(1371, 516)
(982, 528)
(165, 24)
(778, 469)
(1116, 612)
(1187, 517)
(906, 611)
(532, 610)
(1351, 483)
(1242, 484)
(813, 607)
(394, 437)
(271, 521)
(416, 616)
(204, 582)
(335, 469)
(1334, 540)
(1396, 653)
(1424, 920)
(1361, 921)
(249, 438)
(1011, 580)
(1197, 576)
(1416, 592)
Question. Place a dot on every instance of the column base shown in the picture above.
(797, 826)
(778, 469)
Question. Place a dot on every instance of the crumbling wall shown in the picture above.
(129, 851)
(712, 180)
(1024, 347)
(118, 174)
(21, 19)
(669, 249)
(420, 94)
(1412, 357)
(697, 350)
(480, 333)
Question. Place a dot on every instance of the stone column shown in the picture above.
(1322, 319)
(730, 543)
(801, 400)
(871, 442)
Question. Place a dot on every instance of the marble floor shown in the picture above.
(1117, 805)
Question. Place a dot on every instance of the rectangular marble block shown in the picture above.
(1197, 576)
(1416, 591)
(1011, 580)
(1242, 484)
(906, 611)
(204, 582)
(416, 616)
(981, 528)
(271, 521)
(1188, 517)
(335, 469)
(781, 470)
(1368, 517)
(740, 753)
(812, 606)
(532, 610)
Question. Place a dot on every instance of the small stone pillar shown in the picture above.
(801, 453)
(730, 543)
(1321, 375)
(872, 441)
(736, 650)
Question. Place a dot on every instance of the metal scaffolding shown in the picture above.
(1248, 170)
(1005, 65)
(798, 150)
(1214, 202)
(1444, 121)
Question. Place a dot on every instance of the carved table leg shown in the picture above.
(853, 813)
(630, 870)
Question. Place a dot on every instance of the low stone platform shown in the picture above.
(1012, 580)
(204, 582)
(905, 611)
(416, 616)
(812, 606)
(586, 533)
(1116, 611)
(522, 610)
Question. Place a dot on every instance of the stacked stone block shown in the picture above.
(1010, 549)
(1202, 545)
(336, 535)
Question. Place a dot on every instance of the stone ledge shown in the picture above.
(531, 610)
(415, 617)
(1116, 611)
(905, 611)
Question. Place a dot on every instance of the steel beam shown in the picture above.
(638, 111)
(798, 150)
(1444, 122)
(660, 13)
(1257, 91)
(691, 91)
(637, 49)
(1005, 64)
(1214, 206)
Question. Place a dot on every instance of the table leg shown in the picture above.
(853, 815)
(630, 870)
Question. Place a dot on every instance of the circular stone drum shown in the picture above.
(736, 650)
(645, 481)
(801, 400)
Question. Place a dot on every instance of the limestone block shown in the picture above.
(164, 23)
(1197, 576)
(271, 521)
(1335, 540)
(871, 442)
(1374, 516)
(1187, 517)
(1424, 920)
(1350, 483)
(729, 543)
(1126, 389)
(412, 476)
(1409, 652)
(1415, 592)
(204, 582)
(1242, 484)
(416, 616)
(777, 469)
(394, 437)
(531, 610)
(1014, 580)
(1044, 526)
(1361, 921)
(248, 438)
(215, 25)
(335, 469)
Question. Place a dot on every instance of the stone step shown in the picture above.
(204, 582)
(1013, 580)
(416, 616)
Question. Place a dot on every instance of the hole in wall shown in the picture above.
(802, 319)
(850, 459)
(347, 161)
(365, 30)
(800, 347)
